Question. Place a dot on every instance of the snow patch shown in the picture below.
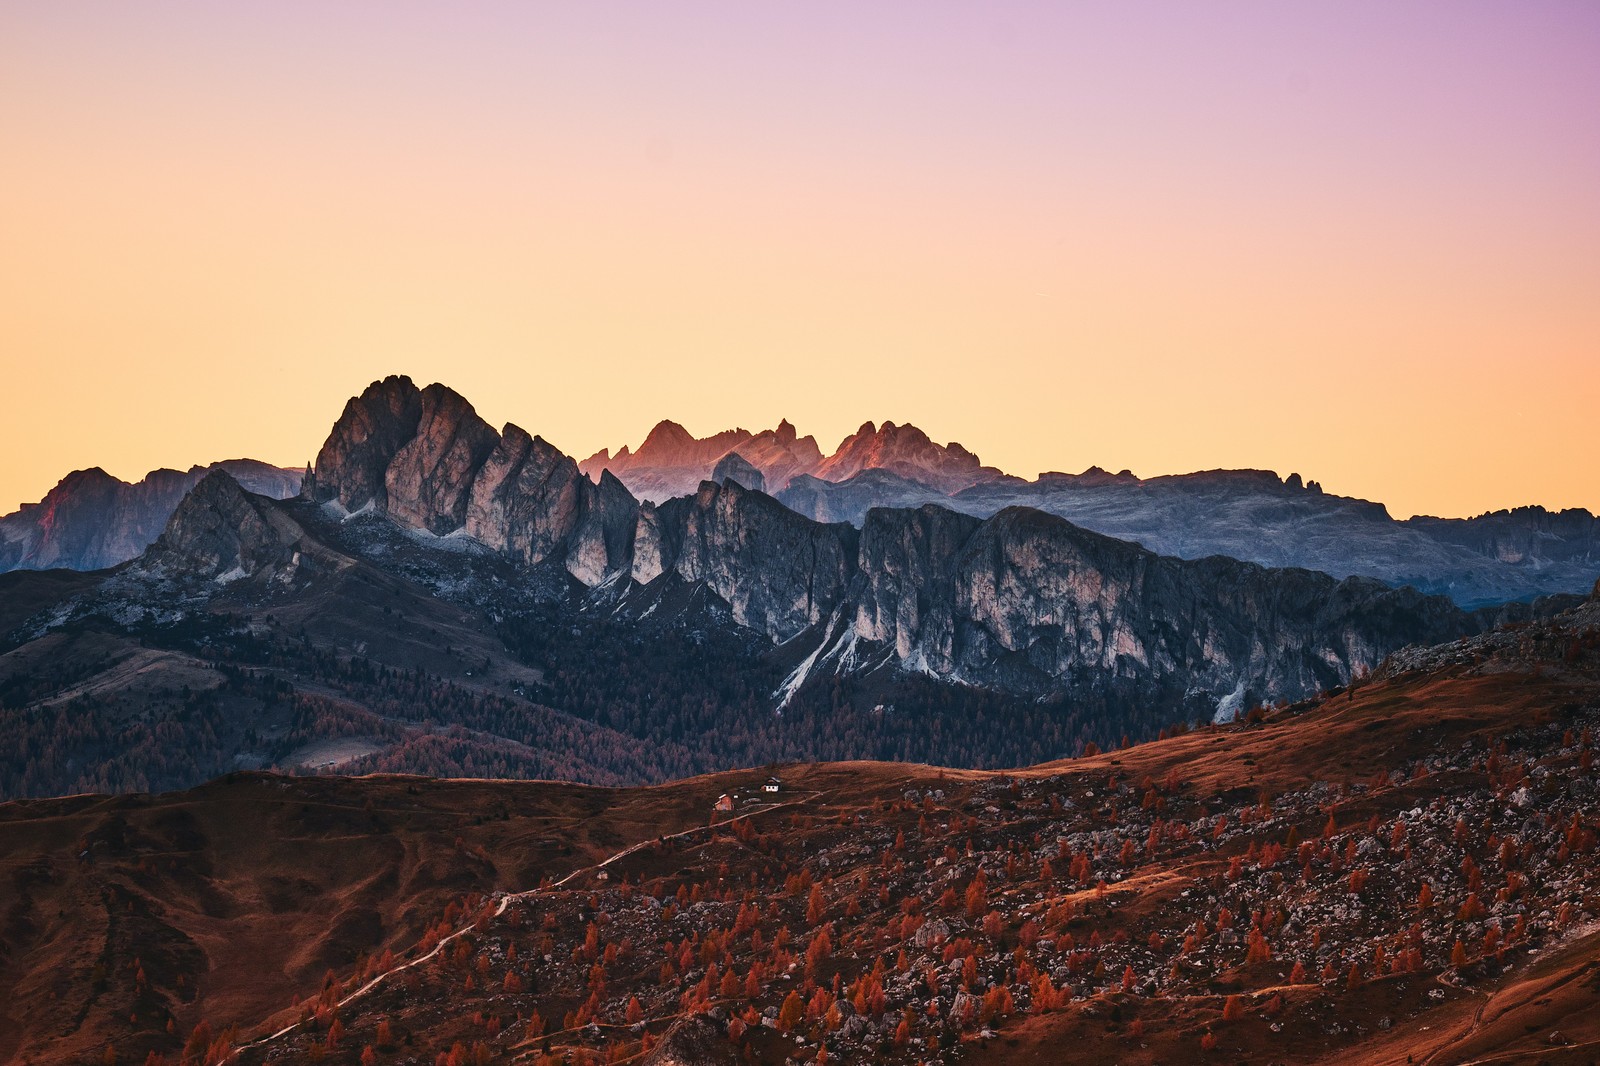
(1229, 706)
(457, 540)
(828, 647)
(231, 576)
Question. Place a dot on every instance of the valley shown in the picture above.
(1402, 869)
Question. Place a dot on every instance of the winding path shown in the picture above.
(514, 897)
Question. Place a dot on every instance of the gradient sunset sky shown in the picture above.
(1360, 241)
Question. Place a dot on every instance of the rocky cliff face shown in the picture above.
(92, 520)
(778, 572)
(425, 458)
(735, 467)
(353, 465)
(1022, 599)
(907, 592)
(429, 481)
(1257, 516)
(222, 532)
(1025, 599)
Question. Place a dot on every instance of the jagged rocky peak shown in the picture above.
(426, 459)
(673, 462)
(909, 452)
(669, 445)
(429, 480)
(93, 479)
(409, 452)
(668, 439)
(778, 571)
(734, 467)
(222, 531)
(527, 497)
(375, 425)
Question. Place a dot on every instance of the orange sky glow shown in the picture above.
(1357, 241)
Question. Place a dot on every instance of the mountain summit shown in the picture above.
(671, 461)
(92, 520)
(1022, 600)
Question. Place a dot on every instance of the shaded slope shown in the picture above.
(1118, 899)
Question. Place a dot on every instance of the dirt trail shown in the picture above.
(514, 897)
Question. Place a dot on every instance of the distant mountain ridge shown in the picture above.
(91, 520)
(672, 462)
(1252, 515)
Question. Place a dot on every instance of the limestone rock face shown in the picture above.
(906, 594)
(778, 572)
(1023, 599)
(1028, 595)
(651, 552)
(603, 542)
(426, 459)
(222, 531)
(353, 462)
(429, 481)
(527, 498)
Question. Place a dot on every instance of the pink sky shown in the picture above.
(1358, 241)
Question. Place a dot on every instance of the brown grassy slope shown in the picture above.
(237, 896)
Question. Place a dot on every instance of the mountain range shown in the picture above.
(445, 597)
(91, 521)
(1022, 600)
(1252, 515)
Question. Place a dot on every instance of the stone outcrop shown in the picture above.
(92, 520)
(1067, 601)
(734, 467)
(779, 572)
(426, 459)
(906, 596)
(527, 497)
(353, 464)
(429, 480)
(223, 532)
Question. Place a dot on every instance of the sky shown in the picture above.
(1355, 240)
